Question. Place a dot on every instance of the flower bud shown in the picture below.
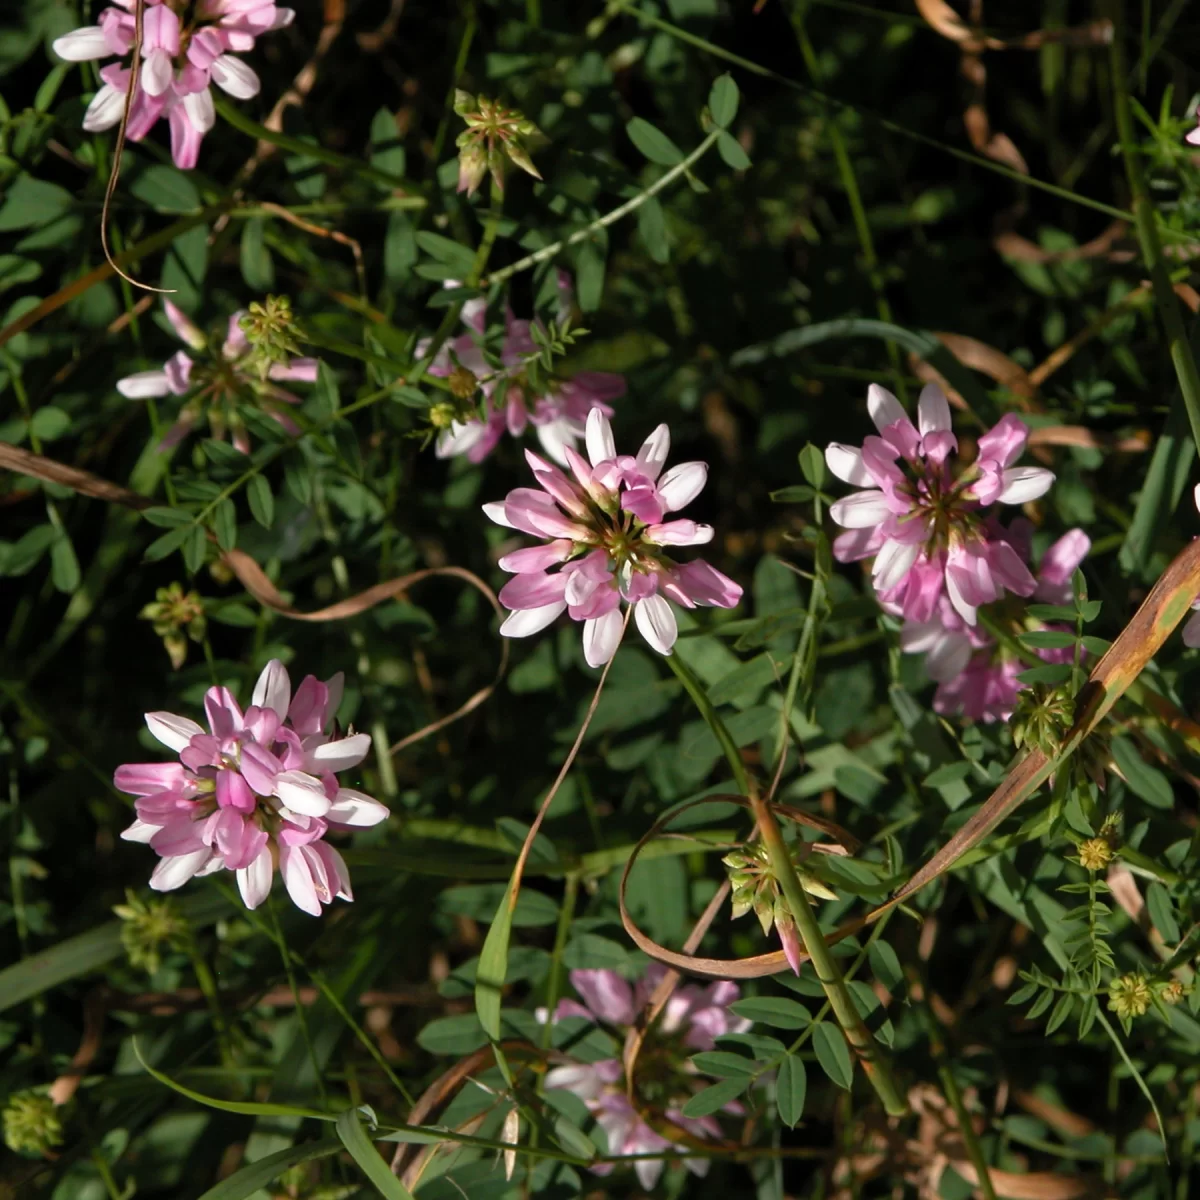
(148, 928)
(1129, 996)
(1095, 854)
(31, 1124)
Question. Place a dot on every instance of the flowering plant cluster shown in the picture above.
(256, 791)
(693, 1019)
(184, 49)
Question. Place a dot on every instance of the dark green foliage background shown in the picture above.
(671, 297)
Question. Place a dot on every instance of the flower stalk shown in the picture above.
(874, 1063)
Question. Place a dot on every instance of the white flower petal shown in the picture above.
(233, 76)
(302, 793)
(1022, 484)
(933, 410)
(653, 455)
(892, 563)
(682, 484)
(598, 437)
(494, 511)
(860, 510)
(341, 755)
(175, 871)
(846, 462)
(174, 732)
(526, 621)
(157, 73)
(143, 384)
(602, 636)
(139, 831)
(201, 111)
(105, 109)
(884, 408)
(273, 689)
(81, 45)
(949, 657)
(357, 809)
(656, 623)
(254, 881)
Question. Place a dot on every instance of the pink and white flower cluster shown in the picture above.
(182, 53)
(557, 411)
(256, 790)
(976, 678)
(692, 1019)
(219, 384)
(606, 531)
(925, 525)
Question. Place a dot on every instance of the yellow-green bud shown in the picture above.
(1095, 854)
(31, 1124)
(1129, 996)
(463, 383)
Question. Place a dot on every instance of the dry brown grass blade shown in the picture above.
(25, 462)
(754, 967)
(1089, 439)
(991, 362)
(662, 992)
(1012, 245)
(1163, 609)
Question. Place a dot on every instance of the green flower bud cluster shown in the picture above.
(31, 1124)
(272, 332)
(755, 888)
(493, 133)
(148, 928)
(174, 613)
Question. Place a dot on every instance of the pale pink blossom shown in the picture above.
(605, 538)
(923, 524)
(691, 1021)
(219, 384)
(184, 48)
(257, 790)
(976, 678)
(557, 408)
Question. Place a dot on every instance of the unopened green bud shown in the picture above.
(31, 1124)
(149, 927)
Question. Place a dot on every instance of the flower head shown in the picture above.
(976, 678)
(184, 48)
(220, 381)
(605, 531)
(923, 523)
(31, 1124)
(257, 789)
(493, 133)
(175, 613)
(694, 1017)
(513, 397)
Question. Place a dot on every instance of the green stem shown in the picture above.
(1147, 229)
(532, 260)
(874, 1063)
(208, 986)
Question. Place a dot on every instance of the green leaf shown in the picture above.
(225, 524)
(262, 502)
(714, 1098)
(886, 964)
(723, 100)
(64, 566)
(723, 1064)
(355, 1139)
(776, 1011)
(49, 423)
(652, 228)
(166, 189)
(572, 1139)
(1040, 1005)
(167, 518)
(241, 1107)
(1051, 612)
(169, 542)
(1022, 994)
(387, 150)
(195, 548)
(1052, 674)
(244, 1183)
(258, 267)
(1047, 639)
(1145, 781)
(731, 152)
(1162, 913)
(31, 202)
(791, 1084)
(653, 143)
(460, 259)
(1062, 1010)
(833, 1054)
(493, 963)
(812, 465)
(457, 1034)
(798, 493)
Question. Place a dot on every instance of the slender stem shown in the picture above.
(532, 260)
(208, 986)
(874, 1063)
(1147, 229)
